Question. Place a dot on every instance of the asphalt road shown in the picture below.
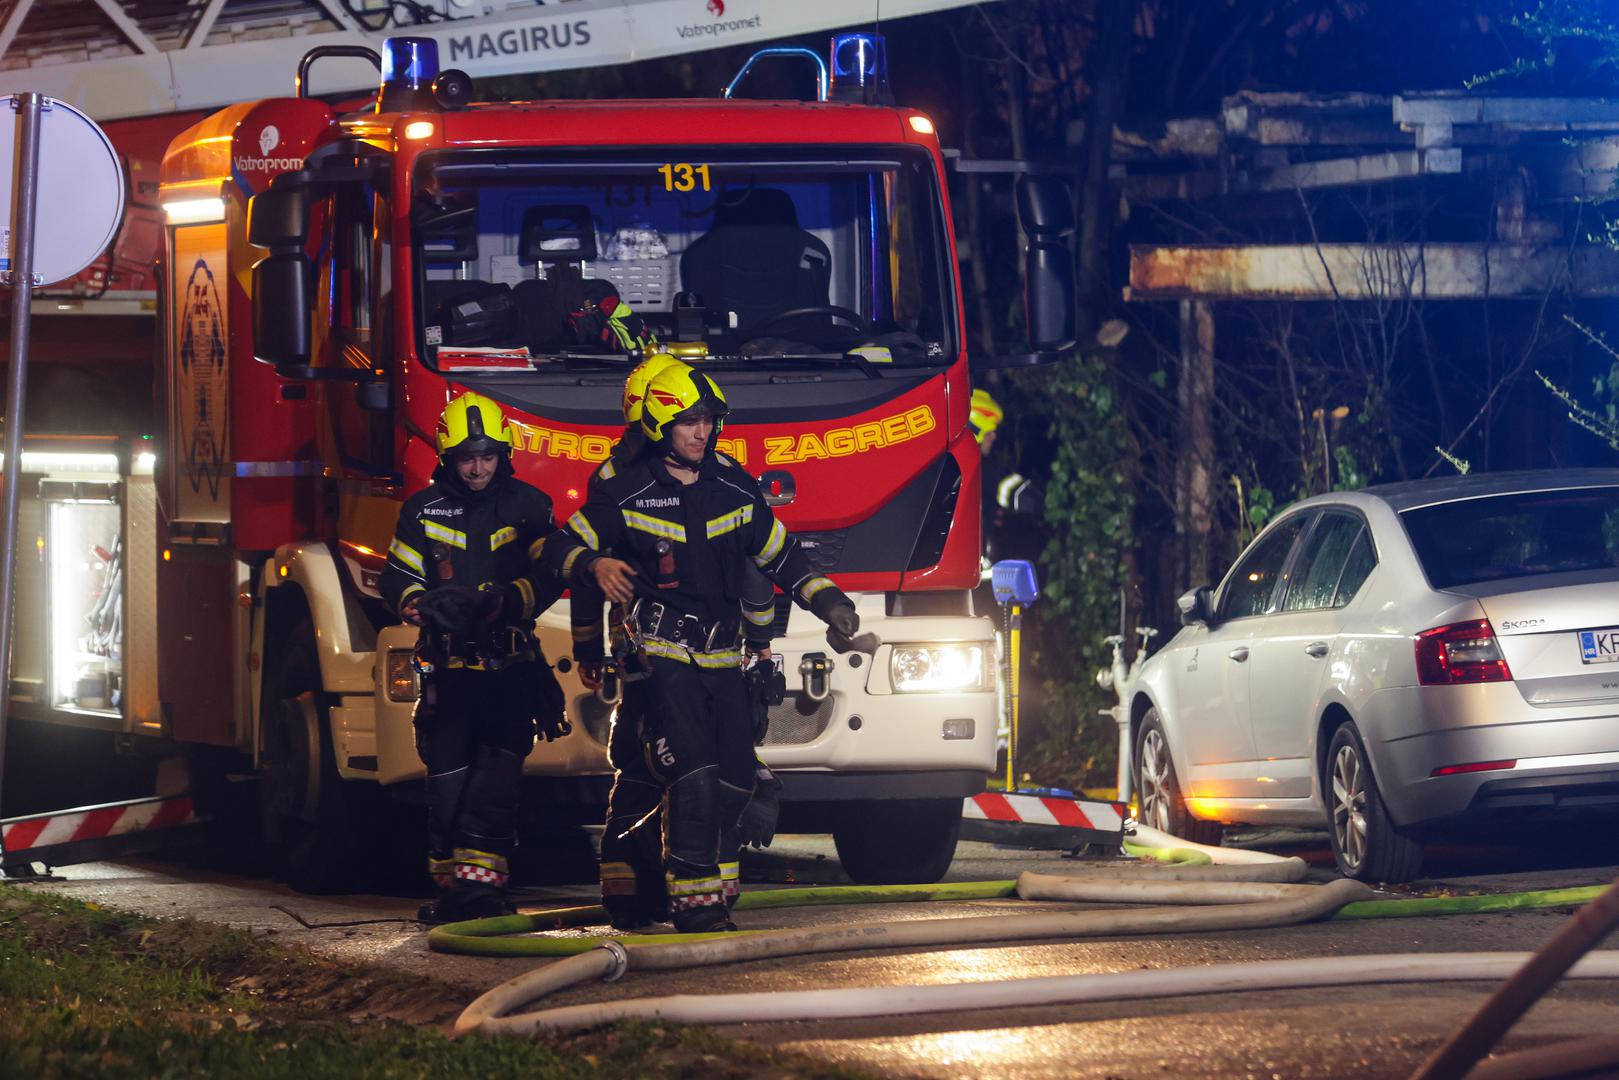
(1345, 1031)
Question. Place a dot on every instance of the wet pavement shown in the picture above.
(1334, 1031)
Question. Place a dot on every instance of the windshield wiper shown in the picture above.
(832, 359)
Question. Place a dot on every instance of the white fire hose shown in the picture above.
(1242, 890)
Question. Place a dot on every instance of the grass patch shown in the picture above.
(88, 992)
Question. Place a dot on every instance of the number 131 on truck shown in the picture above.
(332, 280)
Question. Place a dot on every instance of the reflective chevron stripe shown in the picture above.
(656, 526)
(453, 537)
(730, 522)
(407, 555)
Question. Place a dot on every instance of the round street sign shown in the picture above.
(80, 190)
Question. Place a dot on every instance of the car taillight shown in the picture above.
(1460, 653)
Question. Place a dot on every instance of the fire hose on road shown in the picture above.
(1231, 890)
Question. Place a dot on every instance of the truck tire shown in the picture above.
(898, 842)
(305, 808)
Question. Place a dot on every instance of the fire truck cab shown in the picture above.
(332, 280)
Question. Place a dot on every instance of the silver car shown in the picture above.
(1388, 660)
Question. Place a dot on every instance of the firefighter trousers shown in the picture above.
(632, 842)
(699, 743)
(473, 730)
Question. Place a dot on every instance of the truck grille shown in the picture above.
(824, 550)
(798, 720)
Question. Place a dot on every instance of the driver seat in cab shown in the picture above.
(756, 261)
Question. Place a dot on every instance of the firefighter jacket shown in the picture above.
(687, 544)
(450, 535)
(1013, 505)
(758, 598)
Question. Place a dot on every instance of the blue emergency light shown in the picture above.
(860, 69)
(1015, 582)
(409, 66)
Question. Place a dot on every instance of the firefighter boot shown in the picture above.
(485, 832)
(479, 891)
(696, 893)
(697, 899)
(732, 801)
(632, 856)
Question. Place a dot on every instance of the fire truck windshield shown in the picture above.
(546, 257)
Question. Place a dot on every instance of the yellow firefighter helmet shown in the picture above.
(985, 414)
(680, 393)
(473, 424)
(635, 386)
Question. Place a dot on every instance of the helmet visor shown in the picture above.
(706, 407)
(474, 446)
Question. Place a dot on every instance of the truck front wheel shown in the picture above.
(306, 814)
(898, 842)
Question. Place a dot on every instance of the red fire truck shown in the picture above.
(330, 280)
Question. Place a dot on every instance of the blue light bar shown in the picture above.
(409, 66)
(860, 69)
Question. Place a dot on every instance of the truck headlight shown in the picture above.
(401, 675)
(921, 669)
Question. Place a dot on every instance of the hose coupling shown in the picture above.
(621, 961)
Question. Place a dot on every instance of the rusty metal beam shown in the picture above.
(1370, 272)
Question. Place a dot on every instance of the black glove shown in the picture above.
(758, 824)
(844, 620)
(497, 600)
(842, 628)
(541, 692)
(451, 609)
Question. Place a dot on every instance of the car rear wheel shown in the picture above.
(1365, 840)
(1158, 791)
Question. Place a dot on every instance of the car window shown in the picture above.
(1357, 567)
(1249, 588)
(1511, 536)
(1315, 576)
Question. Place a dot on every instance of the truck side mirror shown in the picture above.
(283, 306)
(278, 218)
(1046, 215)
(1045, 207)
(1196, 606)
(283, 281)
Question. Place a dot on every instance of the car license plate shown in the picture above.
(1599, 646)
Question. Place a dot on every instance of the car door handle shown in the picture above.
(1317, 649)
(1239, 654)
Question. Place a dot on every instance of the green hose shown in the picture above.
(1175, 856)
(489, 937)
(1417, 906)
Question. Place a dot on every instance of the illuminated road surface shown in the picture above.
(1366, 1031)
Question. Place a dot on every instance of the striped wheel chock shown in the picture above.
(87, 833)
(1041, 821)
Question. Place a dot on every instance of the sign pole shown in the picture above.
(29, 106)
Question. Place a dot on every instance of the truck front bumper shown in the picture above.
(864, 738)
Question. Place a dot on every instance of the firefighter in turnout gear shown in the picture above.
(1012, 502)
(667, 535)
(462, 567)
(632, 883)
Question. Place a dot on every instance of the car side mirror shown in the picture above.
(1196, 606)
